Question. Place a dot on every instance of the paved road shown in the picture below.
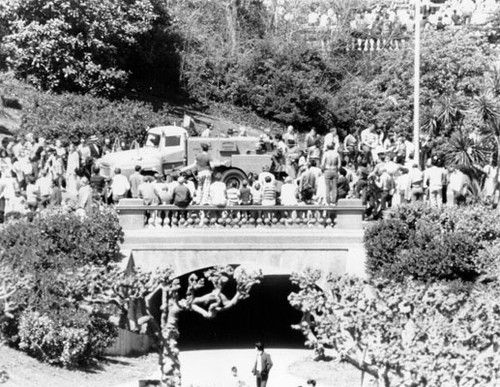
(212, 368)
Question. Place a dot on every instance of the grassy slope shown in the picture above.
(221, 116)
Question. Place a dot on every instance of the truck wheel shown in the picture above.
(233, 175)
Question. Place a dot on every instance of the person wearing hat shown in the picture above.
(95, 149)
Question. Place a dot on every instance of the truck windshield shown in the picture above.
(153, 140)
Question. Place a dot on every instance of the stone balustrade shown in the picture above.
(133, 215)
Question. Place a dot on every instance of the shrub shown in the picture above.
(53, 245)
(424, 242)
(70, 117)
(67, 340)
(448, 255)
(93, 239)
(383, 242)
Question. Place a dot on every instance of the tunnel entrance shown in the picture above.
(265, 316)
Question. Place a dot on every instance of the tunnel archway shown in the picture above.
(265, 316)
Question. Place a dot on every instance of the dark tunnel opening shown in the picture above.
(265, 316)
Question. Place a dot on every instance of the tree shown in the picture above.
(113, 286)
(75, 46)
(410, 334)
(380, 85)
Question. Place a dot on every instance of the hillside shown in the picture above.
(221, 116)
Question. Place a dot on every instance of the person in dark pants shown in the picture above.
(262, 365)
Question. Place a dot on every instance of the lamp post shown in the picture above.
(416, 85)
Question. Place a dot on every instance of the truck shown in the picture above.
(170, 150)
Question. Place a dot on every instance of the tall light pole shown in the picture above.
(416, 85)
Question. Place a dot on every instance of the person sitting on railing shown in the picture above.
(289, 192)
(245, 193)
(146, 192)
(233, 194)
(256, 194)
(217, 192)
(269, 192)
(342, 184)
(181, 195)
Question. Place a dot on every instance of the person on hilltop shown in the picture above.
(208, 131)
(311, 138)
(262, 365)
(290, 137)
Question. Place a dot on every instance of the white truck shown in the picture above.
(169, 149)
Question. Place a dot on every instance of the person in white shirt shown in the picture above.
(434, 178)
(331, 137)
(289, 193)
(456, 192)
(217, 192)
(119, 186)
(44, 184)
(369, 143)
(207, 132)
(72, 165)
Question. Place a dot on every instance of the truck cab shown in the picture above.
(164, 150)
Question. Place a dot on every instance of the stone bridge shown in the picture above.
(278, 240)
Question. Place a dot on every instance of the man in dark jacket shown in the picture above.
(181, 194)
(262, 365)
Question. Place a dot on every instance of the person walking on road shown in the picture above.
(262, 365)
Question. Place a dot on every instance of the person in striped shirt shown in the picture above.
(268, 192)
(233, 194)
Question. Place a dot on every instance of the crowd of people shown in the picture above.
(36, 174)
(384, 24)
(377, 167)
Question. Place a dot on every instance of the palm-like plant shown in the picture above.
(445, 115)
(487, 108)
(466, 154)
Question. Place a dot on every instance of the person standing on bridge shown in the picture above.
(262, 365)
(204, 168)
